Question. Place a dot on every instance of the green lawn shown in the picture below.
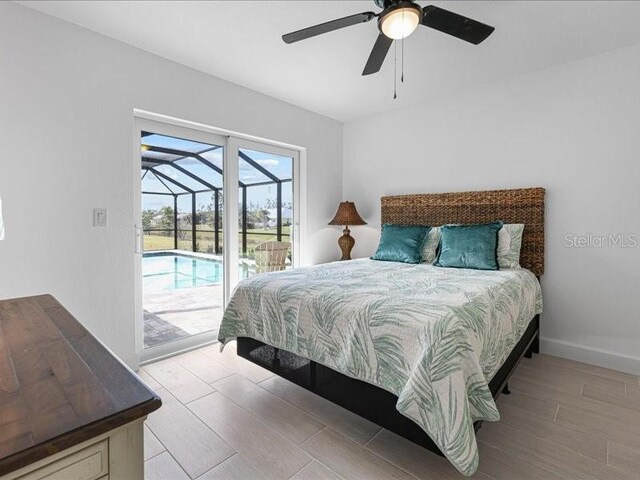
(156, 242)
(205, 240)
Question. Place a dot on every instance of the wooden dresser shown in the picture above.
(69, 409)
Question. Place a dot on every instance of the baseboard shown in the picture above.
(131, 362)
(592, 355)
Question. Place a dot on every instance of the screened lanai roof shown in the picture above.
(175, 166)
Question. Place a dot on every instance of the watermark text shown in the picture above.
(613, 240)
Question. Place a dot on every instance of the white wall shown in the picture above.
(66, 126)
(572, 129)
(66, 101)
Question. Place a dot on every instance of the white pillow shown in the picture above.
(430, 247)
(509, 245)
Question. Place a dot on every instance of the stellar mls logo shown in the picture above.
(618, 240)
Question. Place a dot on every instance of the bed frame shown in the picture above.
(371, 402)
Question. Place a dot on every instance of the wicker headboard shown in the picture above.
(511, 206)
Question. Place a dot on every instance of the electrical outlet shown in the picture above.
(99, 217)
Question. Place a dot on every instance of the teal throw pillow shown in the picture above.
(401, 243)
(469, 246)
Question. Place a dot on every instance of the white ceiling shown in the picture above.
(240, 41)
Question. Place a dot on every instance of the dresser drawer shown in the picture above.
(91, 463)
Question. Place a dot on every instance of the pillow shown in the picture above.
(430, 249)
(401, 243)
(509, 245)
(469, 246)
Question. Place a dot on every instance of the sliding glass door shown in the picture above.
(265, 206)
(180, 251)
(211, 210)
(263, 185)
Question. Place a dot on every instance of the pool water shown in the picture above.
(170, 271)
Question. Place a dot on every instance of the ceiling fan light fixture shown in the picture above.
(401, 20)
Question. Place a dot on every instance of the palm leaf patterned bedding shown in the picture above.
(432, 336)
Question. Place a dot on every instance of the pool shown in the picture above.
(172, 271)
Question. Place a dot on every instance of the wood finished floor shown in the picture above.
(225, 418)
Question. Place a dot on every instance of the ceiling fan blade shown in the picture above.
(328, 27)
(456, 25)
(378, 54)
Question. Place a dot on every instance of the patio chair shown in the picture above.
(271, 256)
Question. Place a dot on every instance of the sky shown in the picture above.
(278, 165)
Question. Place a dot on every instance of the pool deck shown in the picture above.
(174, 314)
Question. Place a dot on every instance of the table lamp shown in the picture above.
(347, 215)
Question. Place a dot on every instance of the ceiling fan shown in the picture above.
(398, 20)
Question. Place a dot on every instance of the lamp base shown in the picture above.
(346, 243)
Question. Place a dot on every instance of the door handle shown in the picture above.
(139, 242)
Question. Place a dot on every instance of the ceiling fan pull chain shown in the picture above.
(395, 70)
(402, 67)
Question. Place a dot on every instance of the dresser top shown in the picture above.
(59, 386)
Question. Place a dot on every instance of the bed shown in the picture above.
(421, 350)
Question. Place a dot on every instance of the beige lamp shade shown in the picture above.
(347, 215)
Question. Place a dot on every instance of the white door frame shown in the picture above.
(231, 230)
(230, 142)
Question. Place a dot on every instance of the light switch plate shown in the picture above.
(99, 217)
